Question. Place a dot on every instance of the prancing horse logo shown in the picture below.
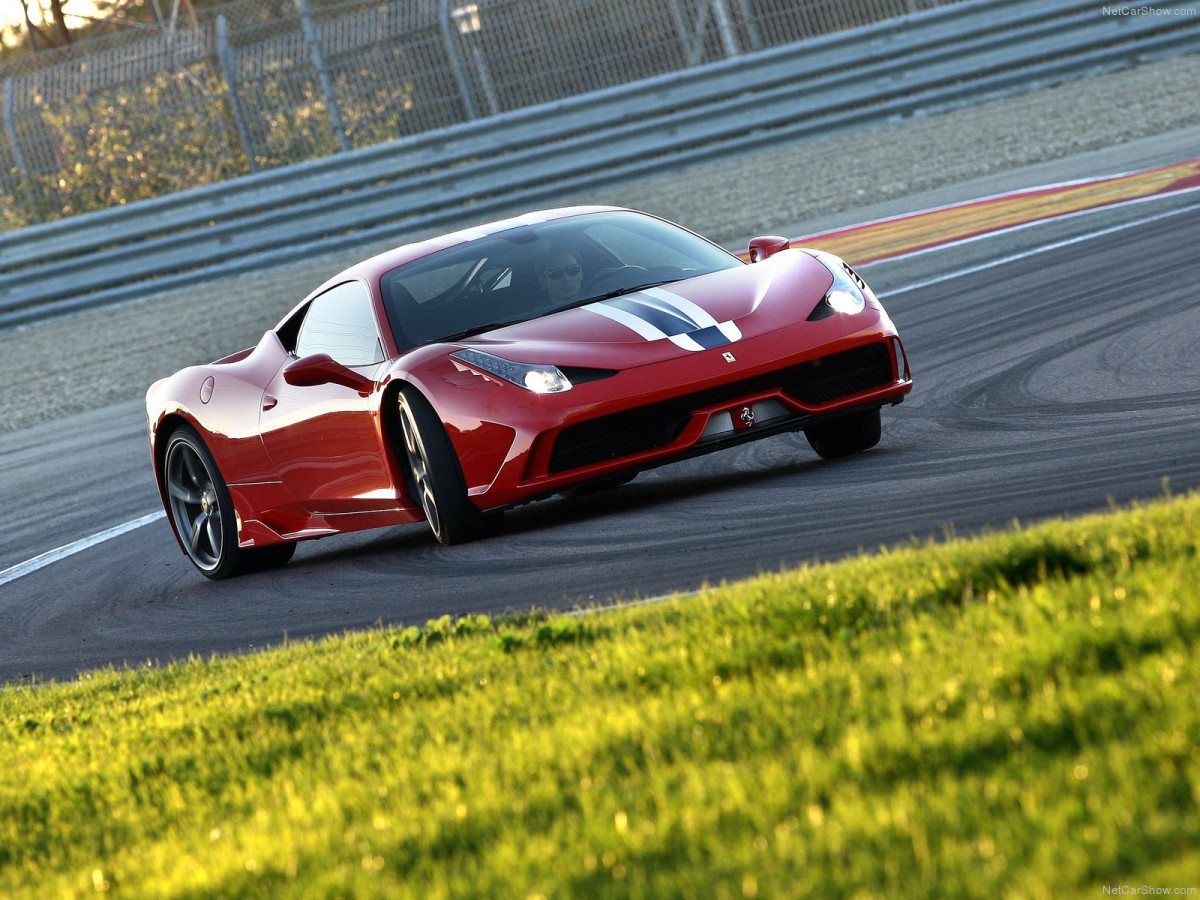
(729, 357)
(747, 416)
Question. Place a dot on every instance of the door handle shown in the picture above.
(269, 402)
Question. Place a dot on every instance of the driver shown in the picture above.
(561, 277)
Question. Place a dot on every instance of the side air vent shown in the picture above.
(841, 375)
(580, 375)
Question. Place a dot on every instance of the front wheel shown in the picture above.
(435, 477)
(845, 435)
(201, 510)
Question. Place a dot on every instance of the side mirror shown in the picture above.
(320, 368)
(769, 245)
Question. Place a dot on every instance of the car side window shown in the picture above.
(340, 322)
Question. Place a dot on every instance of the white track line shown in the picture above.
(1026, 254)
(52, 556)
(1005, 195)
(49, 558)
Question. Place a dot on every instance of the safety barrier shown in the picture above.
(928, 61)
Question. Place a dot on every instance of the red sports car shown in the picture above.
(454, 378)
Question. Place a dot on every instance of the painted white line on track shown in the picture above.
(1025, 254)
(1003, 229)
(52, 556)
(49, 558)
(645, 601)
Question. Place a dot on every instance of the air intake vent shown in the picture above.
(813, 383)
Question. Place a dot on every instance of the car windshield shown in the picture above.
(536, 269)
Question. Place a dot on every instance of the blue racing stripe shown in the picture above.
(711, 337)
(668, 320)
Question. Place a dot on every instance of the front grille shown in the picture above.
(813, 383)
(840, 375)
(621, 434)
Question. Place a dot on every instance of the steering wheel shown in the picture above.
(612, 277)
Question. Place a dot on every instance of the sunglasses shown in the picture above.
(563, 271)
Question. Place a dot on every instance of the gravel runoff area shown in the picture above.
(100, 357)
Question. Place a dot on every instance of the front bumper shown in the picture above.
(649, 416)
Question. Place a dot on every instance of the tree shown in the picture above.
(43, 35)
(59, 23)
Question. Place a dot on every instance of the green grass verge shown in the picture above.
(1017, 715)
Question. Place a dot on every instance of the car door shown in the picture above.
(325, 438)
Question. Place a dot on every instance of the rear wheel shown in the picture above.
(435, 477)
(202, 512)
(845, 435)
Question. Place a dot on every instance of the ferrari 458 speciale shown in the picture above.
(454, 378)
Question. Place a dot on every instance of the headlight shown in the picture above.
(847, 293)
(539, 379)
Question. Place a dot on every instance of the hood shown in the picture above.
(657, 324)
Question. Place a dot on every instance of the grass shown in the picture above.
(1012, 716)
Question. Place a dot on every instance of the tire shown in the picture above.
(201, 510)
(845, 435)
(435, 479)
(261, 559)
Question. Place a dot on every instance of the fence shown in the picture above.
(258, 84)
(536, 155)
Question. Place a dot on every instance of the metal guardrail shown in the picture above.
(210, 94)
(928, 61)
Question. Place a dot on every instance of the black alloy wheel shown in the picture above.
(202, 511)
(435, 477)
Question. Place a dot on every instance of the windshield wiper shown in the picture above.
(478, 329)
(619, 292)
(637, 287)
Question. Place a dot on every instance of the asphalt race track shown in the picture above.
(1047, 385)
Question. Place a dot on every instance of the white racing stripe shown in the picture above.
(634, 323)
(656, 314)
(697, 314)
(39, 562)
